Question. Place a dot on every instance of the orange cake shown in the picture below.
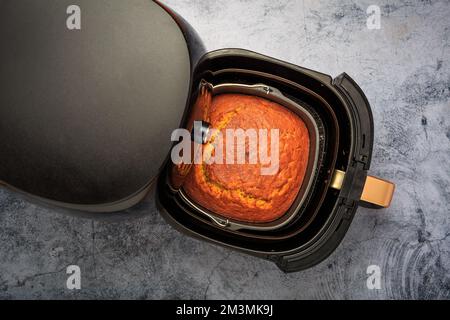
(240, 191)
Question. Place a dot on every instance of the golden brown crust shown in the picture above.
(239, 191)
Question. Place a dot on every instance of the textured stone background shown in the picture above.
(403, 68)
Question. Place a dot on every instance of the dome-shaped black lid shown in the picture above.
(90, 91)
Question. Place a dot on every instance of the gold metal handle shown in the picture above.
(377, 192)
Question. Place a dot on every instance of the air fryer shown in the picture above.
(86, 116)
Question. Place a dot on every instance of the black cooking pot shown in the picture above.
(92, 90)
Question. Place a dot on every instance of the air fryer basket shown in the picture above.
(348, 132)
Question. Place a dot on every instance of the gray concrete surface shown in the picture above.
(403, 68)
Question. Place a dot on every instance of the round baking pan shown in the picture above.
(316, 147)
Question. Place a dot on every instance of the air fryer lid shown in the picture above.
(86, 115)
